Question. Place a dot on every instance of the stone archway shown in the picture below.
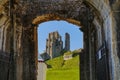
(29, 29)
(19, 19)
(34, 26)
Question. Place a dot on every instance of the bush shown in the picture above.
(68, 53)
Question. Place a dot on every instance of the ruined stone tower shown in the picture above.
(67, 42)
(54, 44)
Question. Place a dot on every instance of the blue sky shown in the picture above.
(76, 36)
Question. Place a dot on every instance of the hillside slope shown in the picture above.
(59, 69)
(60, 63)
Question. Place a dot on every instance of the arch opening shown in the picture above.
(91, 43)
(62, 27)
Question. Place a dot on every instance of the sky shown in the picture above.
(76, 36)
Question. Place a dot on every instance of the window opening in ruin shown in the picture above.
(59, 40)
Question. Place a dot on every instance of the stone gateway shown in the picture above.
(99, 20)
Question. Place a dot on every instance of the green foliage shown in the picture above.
(63, 51)
(68, 53)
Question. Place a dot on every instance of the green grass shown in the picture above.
(63, 70)
(56, 63)
(72, 63)
(70, 74)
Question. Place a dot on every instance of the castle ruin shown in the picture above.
(99, 20)
(54, 44)
(67, 42)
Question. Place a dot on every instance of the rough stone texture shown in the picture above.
(54, 44)
(98, 19)
(67, 42)
(67, 57)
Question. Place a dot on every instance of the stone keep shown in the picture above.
(67, 42)
(54, 44)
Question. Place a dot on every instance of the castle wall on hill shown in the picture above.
(54, 44)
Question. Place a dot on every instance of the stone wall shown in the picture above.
(108, 11)
(19, 19)
(4, 41)
(54, 44)
(67, 42)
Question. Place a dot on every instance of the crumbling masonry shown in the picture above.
(99, 20)
(54, 44)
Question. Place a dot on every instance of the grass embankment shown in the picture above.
(63, 70)
(71, 74)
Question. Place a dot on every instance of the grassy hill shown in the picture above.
(71, 74)
(59, 69)
(60, 63)
(55, 63)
